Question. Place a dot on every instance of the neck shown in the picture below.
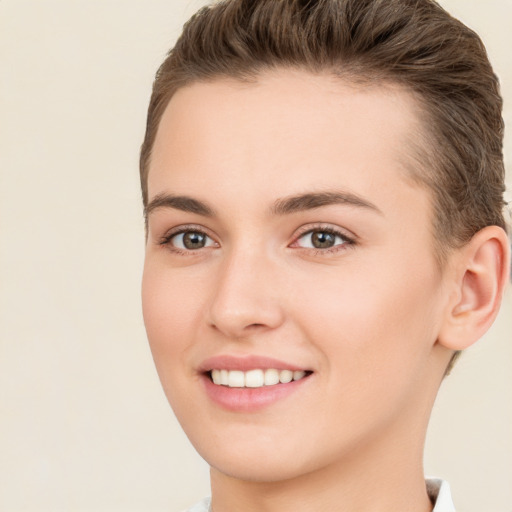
(386, 475)
(391, 484)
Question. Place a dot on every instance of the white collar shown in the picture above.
(439, 492)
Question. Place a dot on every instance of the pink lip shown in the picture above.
(245, 363)
(248, 399)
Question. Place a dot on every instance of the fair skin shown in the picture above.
(284, 233)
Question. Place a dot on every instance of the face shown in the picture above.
(286, 242)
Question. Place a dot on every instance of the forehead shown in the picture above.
(291, 130)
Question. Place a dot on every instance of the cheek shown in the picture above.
(373, 340)
(169, 308)
(371, 325)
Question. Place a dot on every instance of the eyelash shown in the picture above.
(348, 242)
(166, 239)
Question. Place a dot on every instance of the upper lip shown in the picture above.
(246, 363)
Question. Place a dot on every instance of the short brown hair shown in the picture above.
(413, 43)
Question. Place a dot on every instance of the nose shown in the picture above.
(246, 298)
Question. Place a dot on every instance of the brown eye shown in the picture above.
(191, 240)
(194, 240)
(322, 240)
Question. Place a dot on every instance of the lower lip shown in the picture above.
(250, 399)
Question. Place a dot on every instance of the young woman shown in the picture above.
(323, 189)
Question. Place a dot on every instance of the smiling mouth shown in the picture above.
(255, 378)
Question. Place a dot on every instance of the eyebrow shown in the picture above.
(183, 203)
(284, 206)
(311, 201)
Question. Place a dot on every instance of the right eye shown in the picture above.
(190, 240)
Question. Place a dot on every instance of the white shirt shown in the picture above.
(438, 491)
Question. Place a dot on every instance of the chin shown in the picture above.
(258, 469)
(264, 458)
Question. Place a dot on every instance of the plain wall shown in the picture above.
(84, 425)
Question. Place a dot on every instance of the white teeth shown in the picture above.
(216, 376)
(236, 379)
(271, 377)
(299, 374)
(255, 378)
(285, 376)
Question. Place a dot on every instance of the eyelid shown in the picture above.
(330, 228)
(184, 228)
(348, 237)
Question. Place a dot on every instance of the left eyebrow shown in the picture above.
(313, 200)
(183, 203)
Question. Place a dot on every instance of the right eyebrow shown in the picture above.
(310, 201)
(183, 203)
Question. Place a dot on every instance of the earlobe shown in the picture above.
(482, 270)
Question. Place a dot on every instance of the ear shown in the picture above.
(480, 274)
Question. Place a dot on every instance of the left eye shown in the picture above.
(191, 240)
(321, 239)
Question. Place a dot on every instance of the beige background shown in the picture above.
(84, 425)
